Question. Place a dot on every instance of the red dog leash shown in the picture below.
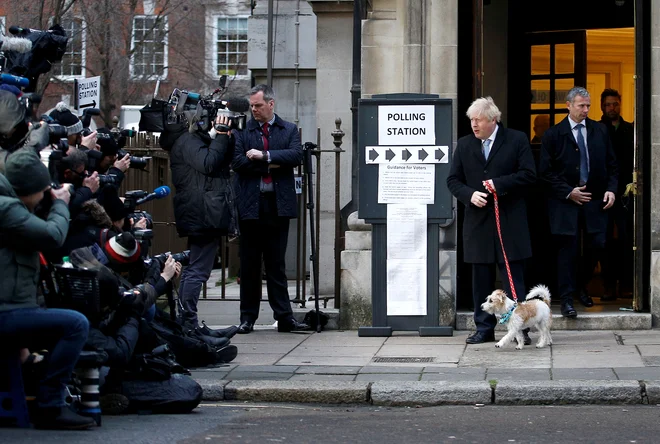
(490, 188)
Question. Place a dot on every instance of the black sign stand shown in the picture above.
(376, 214)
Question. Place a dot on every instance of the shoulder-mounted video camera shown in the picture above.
(190, 107)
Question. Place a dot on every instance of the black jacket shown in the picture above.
(511, 167)
(623, 143)
(200, 174)
(559, 170)
(285, 151)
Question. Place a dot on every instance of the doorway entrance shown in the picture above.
(527, 61)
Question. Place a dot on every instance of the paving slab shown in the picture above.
(332, 370)
(344, 338)
(325, 360)
(454, 374)
(506, 357)
(263, 348)
(246, 374)
(596, 356)
(440, 353)
(580, 338)
(649, 350)
(371, 377)
(516, 374)
(321, 377)
(257, 358)
(581, 374)
(208, 375)
(329, 351)
(645, 337)
(415, 339)
(638, 373)
(391, 369)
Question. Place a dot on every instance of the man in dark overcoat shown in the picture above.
(579, 172)
(503, 158)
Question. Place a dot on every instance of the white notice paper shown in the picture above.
(406, 184)
(406, 260)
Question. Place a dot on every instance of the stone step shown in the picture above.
(611, 320)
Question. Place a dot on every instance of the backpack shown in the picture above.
(189, 351)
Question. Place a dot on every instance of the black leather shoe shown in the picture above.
(480, 337)
(585, 299)
(210, 340)
(245, 327)
(289, 325)
(567, 310)
(228, 332)
(226, 354)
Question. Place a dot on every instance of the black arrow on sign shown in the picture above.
(423, 154)
(406, 154)
(439, 154)
(92, 105)
(389, 154)
(373, 155)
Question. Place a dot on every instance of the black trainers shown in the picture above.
(113, 403)
(61, 418)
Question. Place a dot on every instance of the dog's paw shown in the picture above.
(499, 345)
(519, 347)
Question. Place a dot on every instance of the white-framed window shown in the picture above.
(149, 47)
(72, 65)
(231, 47)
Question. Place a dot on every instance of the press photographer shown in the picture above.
(200, 174)
(22, 322)
(74, 128)
(72, 169)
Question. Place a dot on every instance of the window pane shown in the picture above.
(540, 93)
(232, 46)
(541, 59)
(564, 63)
(149, 45)
(562, 87)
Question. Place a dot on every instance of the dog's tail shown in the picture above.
(539, 292)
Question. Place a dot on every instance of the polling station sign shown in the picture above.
(406, 125)
(87, 93)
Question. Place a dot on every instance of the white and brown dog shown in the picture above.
(533, 312)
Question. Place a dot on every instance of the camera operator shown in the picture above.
(15, 131)
(109, 163)
(22, 322)
(74, 127)
(200, 174)
(72, 169)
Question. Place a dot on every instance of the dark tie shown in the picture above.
(584, 163)
(264, 135)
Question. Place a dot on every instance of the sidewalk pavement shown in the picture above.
(335, 367)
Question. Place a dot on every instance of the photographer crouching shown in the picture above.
(22, 322)
(200, 174)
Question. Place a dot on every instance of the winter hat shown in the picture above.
(122, 248)
(26, 173)
(12, 89)
(11, 111)
(113, 204)
(66, 118)
(107, 143)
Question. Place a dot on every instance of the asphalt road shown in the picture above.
(274, 423)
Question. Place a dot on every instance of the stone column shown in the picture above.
(356, 310)
(333, 99)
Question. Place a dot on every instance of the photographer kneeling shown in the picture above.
(22, 322)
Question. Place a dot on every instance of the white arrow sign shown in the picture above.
(406, 154)
(88, 93)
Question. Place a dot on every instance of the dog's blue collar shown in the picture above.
(506, 316)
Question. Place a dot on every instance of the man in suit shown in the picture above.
(503, 158)
(619, 255)
(266, 153)
(579, 172)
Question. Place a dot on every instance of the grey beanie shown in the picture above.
(11, 111)
(26, 174)
(65, 117)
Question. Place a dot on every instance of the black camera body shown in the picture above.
(131, 199)
(109, 179)
(183, 258)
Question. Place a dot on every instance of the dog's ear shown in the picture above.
(501, 295)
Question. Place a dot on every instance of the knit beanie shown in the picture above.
(66, 118)
(122, 248)
(11, 111)
(26, 173)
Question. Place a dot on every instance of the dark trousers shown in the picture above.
(572, 276)
(618, 261)
(483, 284)
(265, 238)
(62, 332)
(203, 251)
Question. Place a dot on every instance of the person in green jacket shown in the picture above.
(22, 322)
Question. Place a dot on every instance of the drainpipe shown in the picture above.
(296, 84)
(269, 46)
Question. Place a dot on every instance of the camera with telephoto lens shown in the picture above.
(183, 258)
(108, 179)
(185, 106)
(119, 136)
(143, 234)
